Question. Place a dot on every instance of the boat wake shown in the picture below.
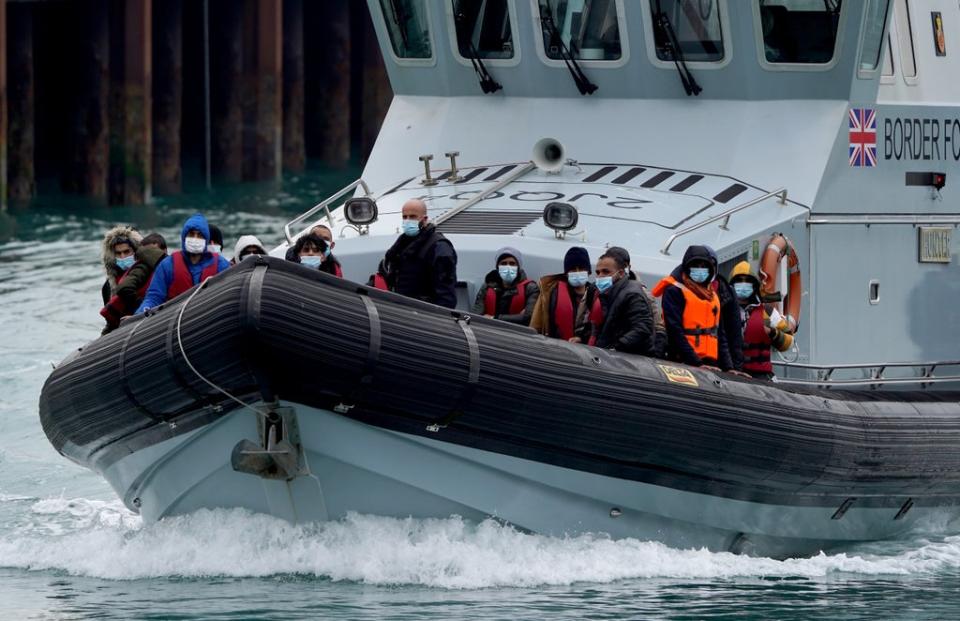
(103, 540)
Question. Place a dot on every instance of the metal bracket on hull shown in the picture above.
(279, 454)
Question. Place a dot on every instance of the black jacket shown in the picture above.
(730, 325)
(423, 267)
(505, 296)
(628, 324)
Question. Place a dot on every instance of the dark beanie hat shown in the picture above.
(576, 257)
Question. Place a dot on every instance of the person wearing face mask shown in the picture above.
(330, 263)
(660, 330)
(729, 318)
(507, 293)
(759, 332)
(568, 307)
(132, 286)
(310, 251)
(184, 268)
(422, 263)
(216, 240)
(118, 251)
(691, 312)
(247, 245)
(628, 324)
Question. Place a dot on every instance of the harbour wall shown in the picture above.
(120, 100)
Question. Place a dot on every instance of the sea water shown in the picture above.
(69, 549)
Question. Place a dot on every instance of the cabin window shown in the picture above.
(908, 57)
(799, 31)
(696, 26)
(887, 70)
(483, 28)
(874, 23)
(588, 28)
(407, 25)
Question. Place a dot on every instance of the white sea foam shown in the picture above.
(103, 539)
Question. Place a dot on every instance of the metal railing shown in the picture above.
(725, 216)
(824, 374)
(324, 206)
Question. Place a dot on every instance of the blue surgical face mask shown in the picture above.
(126, 262)
(578, 279)
(411, 227)
(699, 274)
(744, 290)
(311, 260)
(604, 283)
(508, 273)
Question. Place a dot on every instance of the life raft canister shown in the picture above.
(564, 316)
(778, 248)
(182, 280)
(517, 303)
(701, 319)
(756, 344)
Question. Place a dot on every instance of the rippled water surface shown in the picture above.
(70, 550)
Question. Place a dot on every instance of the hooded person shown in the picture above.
(132, 285)
(184, 268)
(691, 312)
(247, 245)
(729, 315)
(760, 330)
(507, 294)
(118, 252)
(568, 306)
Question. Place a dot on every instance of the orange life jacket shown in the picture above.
(701, 319)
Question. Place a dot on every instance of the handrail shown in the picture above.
(725, 216)
(876, 371)
(507, 180)
(324, 205)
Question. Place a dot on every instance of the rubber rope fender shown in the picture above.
(778, 248)
(473, 377)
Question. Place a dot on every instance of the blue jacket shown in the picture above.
(163, 275)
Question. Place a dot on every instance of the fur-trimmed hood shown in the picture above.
(111, 238)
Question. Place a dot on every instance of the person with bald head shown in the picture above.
(422, 263)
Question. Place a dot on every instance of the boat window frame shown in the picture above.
(651, 45)
(592, 64)
(380, 19)
(888, 78)
(811, 67)
(492, 62)
(869, 74)
(909, 80)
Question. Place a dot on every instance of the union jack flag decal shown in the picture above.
(863, 137)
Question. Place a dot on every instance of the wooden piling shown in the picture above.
(328, 92)
(86, 171)
(376, 93)
(3, 105)
(21, 142)
(263, 89)
(226, 72)
(167, 96)
(294, 144)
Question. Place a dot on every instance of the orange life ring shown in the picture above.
(778, 248)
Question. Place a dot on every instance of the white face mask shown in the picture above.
(215, 248)
(194, 245)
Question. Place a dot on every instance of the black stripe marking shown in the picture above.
(500, 172)
(444, 176)
(392, 190)
(627, 176)
(733, 191)
(657, 179)
(473, 175)
(686, 183)
(600, 174)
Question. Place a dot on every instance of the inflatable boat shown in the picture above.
(284, 390)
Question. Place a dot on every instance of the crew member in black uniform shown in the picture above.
(422, 263)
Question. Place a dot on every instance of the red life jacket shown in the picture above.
(380, 282)
(337, 271)
(517, 304)
(115, 309)
(756, 344)
(182, 280)
(564, 315)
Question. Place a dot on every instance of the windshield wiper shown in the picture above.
(673, 44)
(400, 19)
(487, 83)
(584, 85)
